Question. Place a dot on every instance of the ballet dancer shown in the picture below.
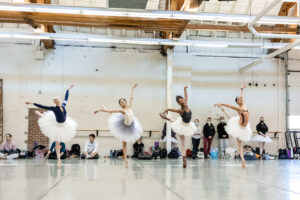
(122, 123)
(182, 125)
(55, 123)
(238, 126)
(262, 135)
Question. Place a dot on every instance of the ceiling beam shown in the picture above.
(179, 5)
(284, 11)
(211, 27)
(44, 28)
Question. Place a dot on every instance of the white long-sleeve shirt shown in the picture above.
(197, 133)
(91, 147)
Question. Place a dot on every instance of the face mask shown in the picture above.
(222, 120)
(196, 123)
(209, 122)
(262, 121)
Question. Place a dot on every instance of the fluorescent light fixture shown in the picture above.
(5, 35)
(245, 45)
(58, 10)
(30, 36)
(146, 14)
(103, 12)
(215, 45)
(139, 41)
(7, 7)
(293, 1)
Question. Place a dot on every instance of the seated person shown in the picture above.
(40, 151)
(8, 149)
(249, 153)
(52, 152)
(91, 148)
(138, 148)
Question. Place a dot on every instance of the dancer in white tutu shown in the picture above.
(182, 125)
(238, 126)
(262, 135)
(55, 123)
(123, 124)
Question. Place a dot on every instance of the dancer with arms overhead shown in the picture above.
(238, 126)
(55, 123)
(182, 125)
(123, 124)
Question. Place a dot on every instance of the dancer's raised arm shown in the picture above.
(131, 95)
(219, 106)
(67, 96)
(103, 109)
(231, 107)
(185, 95)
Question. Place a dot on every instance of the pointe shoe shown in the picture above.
(243, 164)
(58, 164)
(184, 162)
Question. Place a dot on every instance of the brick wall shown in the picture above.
(34, 132)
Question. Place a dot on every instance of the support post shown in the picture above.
(287, 95)
(169, 78)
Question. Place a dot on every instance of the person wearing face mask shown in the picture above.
(223, 136)
(196, 139)
(209, 133)
(262, 135)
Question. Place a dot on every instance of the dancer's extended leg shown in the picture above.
(57, 148)
(183, 151)
(125, 153)
(240, 149)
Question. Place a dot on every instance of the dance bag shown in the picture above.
(145, 156)
(75, 150)
(155, 153)
(163, 153)
(174, 153)
(282, 154)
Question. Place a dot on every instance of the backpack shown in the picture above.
(174, 153)
(75, 149)
(155, 153)
(145, 156)
(163, 153)
(282, 154)
(189, 153)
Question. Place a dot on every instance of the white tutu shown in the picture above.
(182, 128)
(260, 138)
(235, 130)
(59, 132)
(125, 133)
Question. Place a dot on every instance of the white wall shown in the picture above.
(211, 79)
(216, 79)
(24, 77)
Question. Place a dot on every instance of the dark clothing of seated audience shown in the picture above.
(138, 148)
(53, 155)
